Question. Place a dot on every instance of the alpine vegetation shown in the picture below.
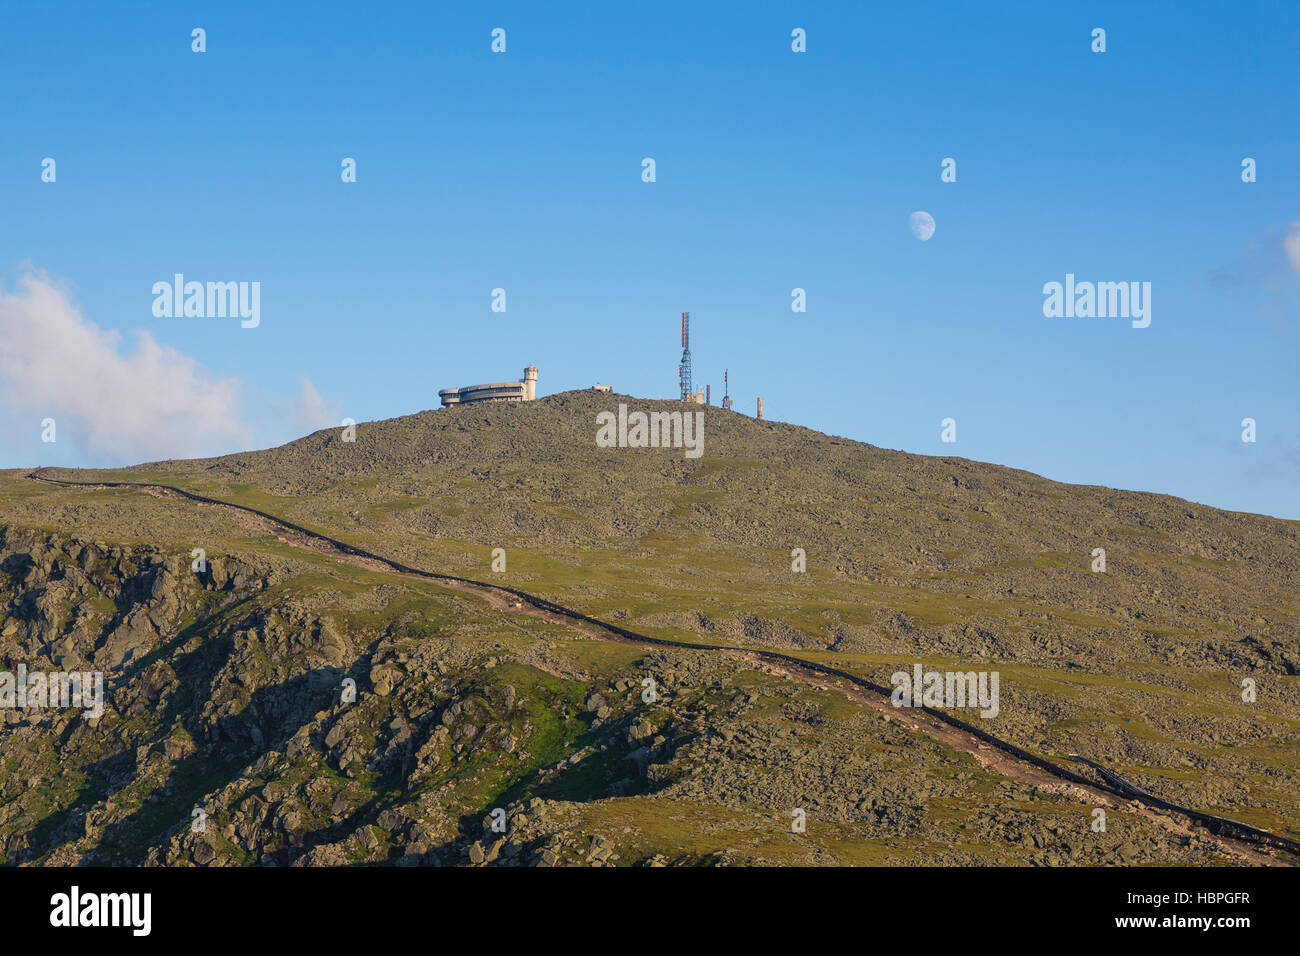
(651, 430)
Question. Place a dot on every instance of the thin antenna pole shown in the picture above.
(684, 370)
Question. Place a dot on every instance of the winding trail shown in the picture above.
(1239, 840)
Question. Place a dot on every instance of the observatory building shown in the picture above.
(524, 390)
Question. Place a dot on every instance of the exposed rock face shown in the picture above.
(79, 605)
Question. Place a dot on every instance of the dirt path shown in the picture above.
(992, 755)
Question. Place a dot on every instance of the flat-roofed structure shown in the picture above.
(524, 390)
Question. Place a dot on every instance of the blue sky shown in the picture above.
(775, 170)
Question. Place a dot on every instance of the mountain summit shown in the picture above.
(278, 666)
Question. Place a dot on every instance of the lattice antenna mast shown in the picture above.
(726, 392)
(684, 370)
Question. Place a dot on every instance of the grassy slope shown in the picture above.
(938, 560)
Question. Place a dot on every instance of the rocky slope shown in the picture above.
(226, 687)
(226, 706)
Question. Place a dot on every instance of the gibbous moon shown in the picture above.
(921, 224)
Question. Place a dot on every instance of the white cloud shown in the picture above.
(148, 403)
(1291, 245)
(312, 412)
